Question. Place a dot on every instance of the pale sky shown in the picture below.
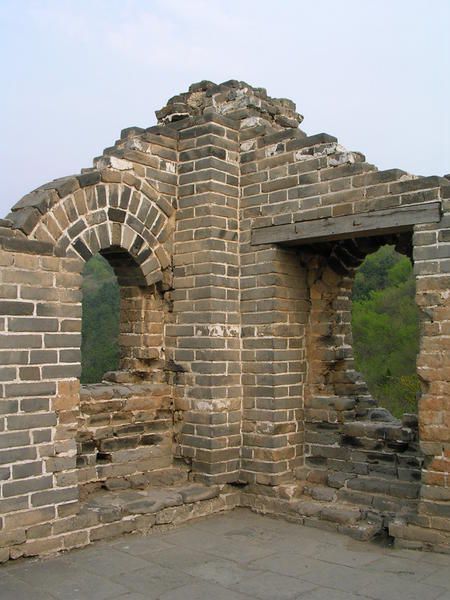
(375, 73)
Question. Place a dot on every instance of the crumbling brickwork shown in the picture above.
(235, 238)
(124, 432)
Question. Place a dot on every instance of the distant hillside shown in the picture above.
(99, 347)
(386, 329)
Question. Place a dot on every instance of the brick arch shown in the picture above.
(124, 217)
(93, 218)
(148, 256)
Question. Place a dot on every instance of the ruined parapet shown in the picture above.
(234, 100)
(234, 237)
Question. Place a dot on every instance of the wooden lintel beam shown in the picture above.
(377, 222)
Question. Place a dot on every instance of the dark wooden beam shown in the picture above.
(377, 222)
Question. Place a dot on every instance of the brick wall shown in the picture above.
(232, 308)
(124, 433)
(39, 357)
(205, 335)
(125, 211)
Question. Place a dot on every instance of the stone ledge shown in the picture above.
(152, 500)
(110, 514)
(415, 537)
(333, 516)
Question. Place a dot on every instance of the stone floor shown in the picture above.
(233, 556)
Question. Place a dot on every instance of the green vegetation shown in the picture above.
(100, 329)
(386, 329)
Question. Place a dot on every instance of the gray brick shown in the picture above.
(70, 356)
(33, 324)
(71, 325)
(42, 357)
(40, 436)
(9, 505)
(8, 292)
(25, 470)
(68, 311)
(16, 488)
(30, 389)
(62, 340)
(61, 371)
(39, 293)
(37, 279)
(5, 473)
(55, 496)
(16, 307)
(34, 421)
(27, 246)
(89, 178)
(34, 404)
(14, 357)
(26, 220)
(20, 341)
(8, 406)
(17, 455)
(42, 199)
(29, 374)
(7, 373)
(312, 140)
(416, 184)
(11, 440)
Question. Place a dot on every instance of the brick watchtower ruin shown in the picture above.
(235, 238)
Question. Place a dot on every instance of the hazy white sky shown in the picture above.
(375, 73)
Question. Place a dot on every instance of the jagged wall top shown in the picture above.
(233, 99)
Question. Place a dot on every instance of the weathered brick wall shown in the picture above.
(124, 432)
(205, 334)
(235, 238)
(314, 178)
(39, 344)
(432, 268)
(144, 312)
(124, 210)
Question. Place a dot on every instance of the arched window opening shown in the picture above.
(123, 321)
(385, 327)
(125, 421)
(100, 320)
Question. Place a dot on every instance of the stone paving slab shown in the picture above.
(233, 556)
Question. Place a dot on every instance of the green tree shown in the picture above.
(385, 324)
(373, 274)
(100, 325)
